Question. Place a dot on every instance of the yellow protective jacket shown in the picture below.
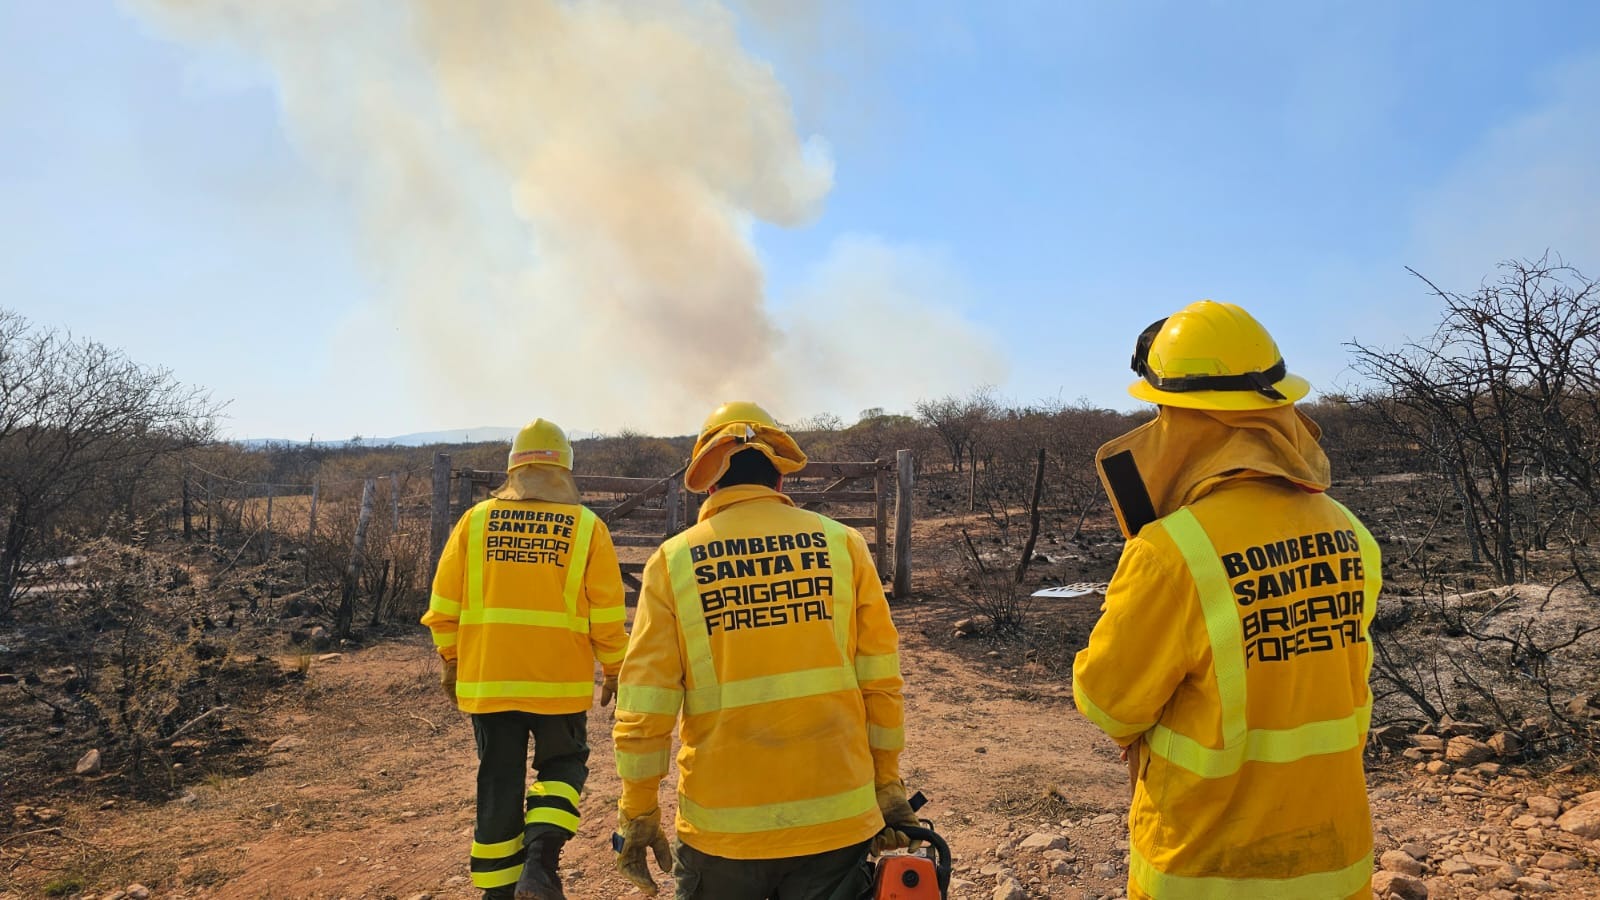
(766, 625)
(1233, 640)
(524, 624)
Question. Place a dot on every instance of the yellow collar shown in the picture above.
(722, 498)
(539, 481)
(1183, 454)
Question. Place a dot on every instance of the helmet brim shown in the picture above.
(1291, 386)
(715, 448)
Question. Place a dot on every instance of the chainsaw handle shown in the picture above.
(941, 850)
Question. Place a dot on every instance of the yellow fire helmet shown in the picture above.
(733, 427)
(540, 441)
(1212, 355)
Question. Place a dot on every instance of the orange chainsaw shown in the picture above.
(909, 876)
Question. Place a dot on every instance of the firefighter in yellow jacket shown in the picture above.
(527, 597)
(766, 627)
(1231, 658)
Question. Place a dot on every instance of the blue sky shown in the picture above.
(1030, 184)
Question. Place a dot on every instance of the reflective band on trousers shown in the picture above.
(553, 803)
(475, 613)
(1240, 743)
(497, 878)
(1315, 886)
(706, 693)
(497, 865)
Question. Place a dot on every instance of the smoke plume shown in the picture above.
(557, 202)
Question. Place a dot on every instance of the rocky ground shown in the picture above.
(365, 790)
(347, 775)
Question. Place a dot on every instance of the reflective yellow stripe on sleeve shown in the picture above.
(607, 657)
(873, 668)
(649, 700)
(445, 638)
(477, 523)
(444, 606)
(607, 614)
(774, 816)
(1103, 720)
(639, 766)
(880, 738)
(1316, 886)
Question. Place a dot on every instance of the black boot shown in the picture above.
(540, 877)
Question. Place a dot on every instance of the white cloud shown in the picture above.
(881, 324)
(1529, 185)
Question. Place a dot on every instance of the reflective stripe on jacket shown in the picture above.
(1234, 641)
(766, 626)
(524, 622)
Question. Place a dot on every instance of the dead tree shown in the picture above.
(352, 572)
(1506, 386)
(74, 415)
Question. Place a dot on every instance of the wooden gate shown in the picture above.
(643, 512)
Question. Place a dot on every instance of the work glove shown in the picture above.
(638, 834)
(897, 812)
(1130, 755)
(608, 690)
(447, 679)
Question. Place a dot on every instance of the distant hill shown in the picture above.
(480, 434)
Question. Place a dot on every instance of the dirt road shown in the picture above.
(369, 793)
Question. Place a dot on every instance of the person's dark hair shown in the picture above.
(749, 466)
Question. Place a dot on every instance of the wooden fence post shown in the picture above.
(674, 506)
(394, 494)
(266, 545)
(352, 571)
(466, 493)
(880, 486)
(439, 518)
(213, 519)
(902, 525)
